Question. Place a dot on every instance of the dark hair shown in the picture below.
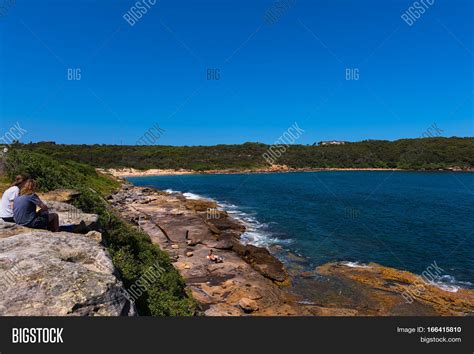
(18, 181)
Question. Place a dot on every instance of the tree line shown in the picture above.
(421, 153)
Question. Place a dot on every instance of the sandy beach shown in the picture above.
(132, 172)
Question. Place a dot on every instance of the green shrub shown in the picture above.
(134, 254)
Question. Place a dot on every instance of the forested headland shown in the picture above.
(421, 153)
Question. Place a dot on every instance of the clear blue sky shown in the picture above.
(270, 75)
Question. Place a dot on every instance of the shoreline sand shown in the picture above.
(132, 172)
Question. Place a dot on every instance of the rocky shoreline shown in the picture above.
(252, 281)
(249, 281)
(71, 274)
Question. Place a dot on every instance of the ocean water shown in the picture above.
(405, 220)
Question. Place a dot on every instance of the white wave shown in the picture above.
(227, 206)
(449, 283)
(171, 191)
(256, 233)
(446, 287)
(355, 265)
(193, 196)
(306, 302)
(187, 195)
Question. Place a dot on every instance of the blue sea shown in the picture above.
(405, 220)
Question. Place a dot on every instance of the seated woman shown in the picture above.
(6, 205)
(213, 258)
(24, 210)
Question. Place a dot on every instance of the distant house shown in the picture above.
(331, 142)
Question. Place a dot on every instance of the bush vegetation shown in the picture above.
(132, 252)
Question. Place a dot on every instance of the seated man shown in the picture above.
(24, 210)
(6, 205)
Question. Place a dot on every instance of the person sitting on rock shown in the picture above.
(213, 258)
(6, 205)
(24, 210)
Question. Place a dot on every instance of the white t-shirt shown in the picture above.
(5, 205)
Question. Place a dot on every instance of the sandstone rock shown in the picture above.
(70, 215)
(222, 309)
(306, 274)
(227, 224)
(262, 261)
(254, 293)
(58, 274)
(189, 254)
(200, 204)
(225, 244)
(248, 305)
(216, 214)
(174, 246)
(276, 248)
(94, 235)
(8, 229)
(390, 287)
(295, 258)
(213, 228)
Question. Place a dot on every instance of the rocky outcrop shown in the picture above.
(69, 215)
(58, 274)
(377, 290)
(248, 305)
(261, 260)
